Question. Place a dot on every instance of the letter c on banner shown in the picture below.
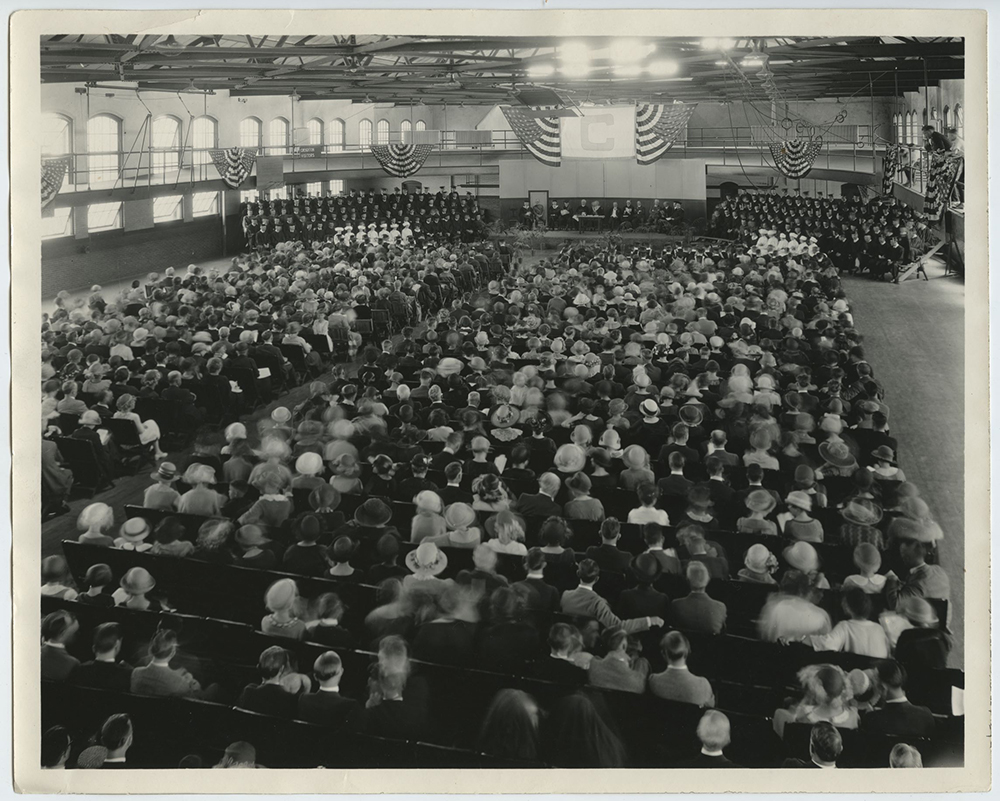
(587, 141)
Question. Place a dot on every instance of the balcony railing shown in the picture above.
(845, 147)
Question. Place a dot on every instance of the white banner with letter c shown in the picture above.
(601, 133)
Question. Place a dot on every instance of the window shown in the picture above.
(406, 132)
(206, 204)
(315, 190)
(104, 216)
(959, 121)
(104, 149)
(249, 196)
(382, 132)
(57, 135)
(204, 137)
(336, 187)
(57, 140)
(365, 133)
(335, 135)
(250, 128)
(278, 194)
(59, 224)
(167, 209)
(277, 137)
(166, 144)
(899, 128)
(421, 126)
(911, 128)
(315, 129)
(947, 117)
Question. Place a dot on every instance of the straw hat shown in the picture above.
(281, 595)
(281, 415)
(426, 558)
(309, 464)
(800, 500)
(861, 512)
(503, 416)
(135, 529)
(801, 556)
(569, 459)
(167, 473)
(428, 501)
(459, 515)
(918, 611)
(691, 415)
(759, 559)
(635, 456)
(836, 453)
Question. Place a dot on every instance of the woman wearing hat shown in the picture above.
(796, 523)
(861, 516)
(281, 601)
(506, 531)
(700, 508)
(581, 506)
(426, 563)
(637, 471)
(429, 519)
(253, 548)
(802, 556)
(200, 499)
(868, 560)
(837, 458)
(94, 520)
(925, 646)
(346, 474)
(759, 565)
(308, 467)
(760, 503)
(162, 494)
(148, 431)
(136, 584)
(170, 539)
(132, 535)
(489, 494)
(885, 467)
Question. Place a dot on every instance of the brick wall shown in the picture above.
(119, 255)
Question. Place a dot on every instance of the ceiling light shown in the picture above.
(574, 52)
(714, 43)
(663, 68)
(540, 70)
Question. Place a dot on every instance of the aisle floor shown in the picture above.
(914, 339)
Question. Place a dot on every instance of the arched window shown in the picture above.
(250, 130)
(315, 129)
(896, 127)
(335, 135)
(365, 133)
(911, 128)
(277, 137)
(57, 140)
(959, 120)
(947, 117)
(382, 132)
(421, 126)
(204, 137)
(104, 134)
(57, 135)
(406, 132)
(166, 147)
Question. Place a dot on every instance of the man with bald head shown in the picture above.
(541, 503)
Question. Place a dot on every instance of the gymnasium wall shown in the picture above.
(667, 179)
(74, 264)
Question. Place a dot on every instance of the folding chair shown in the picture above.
(132, 449)
(81, 459)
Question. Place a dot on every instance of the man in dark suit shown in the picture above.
(327, 705)
(542, 503)
(539, 596)
(825, 745)
(714, 733)
(396, 716)
(58, 629)
(105, 671)
(270, 697)
(696, 611)
(722, 494)
(897, 716)
(89, 421)
(452, 492)
(675, 485)
(644, 600)
(557, 667)
(608, 555)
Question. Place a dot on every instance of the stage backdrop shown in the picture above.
(667, 179)
(601, 133)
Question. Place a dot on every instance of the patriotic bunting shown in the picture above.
(794, 157)
(401, 161)
(540, 136)
(940, 182)
(892, 161)
(53, 172)
(234, 164)
(657, 128)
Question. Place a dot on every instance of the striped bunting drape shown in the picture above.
(540, 135)
(53, 172)
(794, 158)
(940, 181)
(234, 164)
(891, 163)
(401, 161)
(657, 127)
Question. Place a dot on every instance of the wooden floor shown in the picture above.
(914, 339)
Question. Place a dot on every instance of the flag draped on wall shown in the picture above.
(794, 157)
(940, 182)
(539, 135)
(657, 127)
(53, 172)
(892, 161)
(401, 161)
(234, 164)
